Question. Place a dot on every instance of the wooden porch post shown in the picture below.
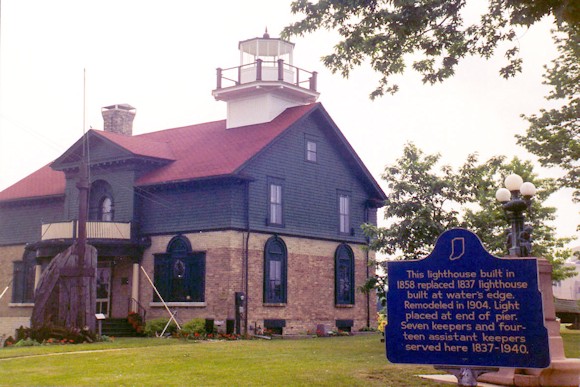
(135, 287)
(37, 274)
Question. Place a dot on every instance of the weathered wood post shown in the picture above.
(66, 293)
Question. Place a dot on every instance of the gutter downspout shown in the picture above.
(368, 240)
(246, 256)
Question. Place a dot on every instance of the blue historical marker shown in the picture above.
(462, 306)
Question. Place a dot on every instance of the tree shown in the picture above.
(384, 32)
(419, 206)
(388, 32)
(424, 200)
(554, 135)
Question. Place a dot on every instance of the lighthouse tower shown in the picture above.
(264, 84)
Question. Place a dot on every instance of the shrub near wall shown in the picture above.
(156, 326)
(197, 325)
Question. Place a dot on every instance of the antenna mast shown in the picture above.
(83, 187)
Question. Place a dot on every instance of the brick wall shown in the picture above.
(9, 325)
(310, 282)
(12, 316)
(223, 275)
(310, 294)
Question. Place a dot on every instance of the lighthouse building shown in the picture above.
(251, 223)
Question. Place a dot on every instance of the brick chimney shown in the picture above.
(119, 118)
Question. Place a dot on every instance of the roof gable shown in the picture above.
(353, 159)
(210, 150)
(186, 153)
(111, 147)
(342, 146)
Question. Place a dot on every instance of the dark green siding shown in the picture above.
(121, 180)
(310, 193)
(310, 189)
(203, 206)
(21, 222)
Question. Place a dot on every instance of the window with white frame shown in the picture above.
(344, 213)
(311, 151)
(275, 205)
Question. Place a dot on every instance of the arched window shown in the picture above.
(344, 275)
(275, 271)
(180, 273)
(106, 209)
(101, 202)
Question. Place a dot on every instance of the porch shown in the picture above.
(119, 254)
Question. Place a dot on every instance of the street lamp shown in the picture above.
(515, 199)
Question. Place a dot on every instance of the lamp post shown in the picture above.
(516, 198)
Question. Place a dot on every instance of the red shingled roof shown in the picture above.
(139, 145)
(212, 150)
(44, 182)
(198, 151)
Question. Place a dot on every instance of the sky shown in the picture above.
(62, 60)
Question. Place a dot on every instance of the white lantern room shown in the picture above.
(265, 83)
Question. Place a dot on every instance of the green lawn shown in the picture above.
(571, 342)
(340, 361)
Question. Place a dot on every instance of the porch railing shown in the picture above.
(95, 230)
(135, 306)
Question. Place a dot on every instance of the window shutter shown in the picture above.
(196, 277)
(162, 277)
(18, 283)
(29, 273)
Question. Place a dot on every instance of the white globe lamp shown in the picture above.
(513, 182)
(503, 195)
(527, 189)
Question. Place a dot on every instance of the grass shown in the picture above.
(571, 342)
(341, 361)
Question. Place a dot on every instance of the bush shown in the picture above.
(136, 322)
(9, 342)
(155, 326)
(55, 333)
(197, 325)
(27, 343)
(105, 339)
